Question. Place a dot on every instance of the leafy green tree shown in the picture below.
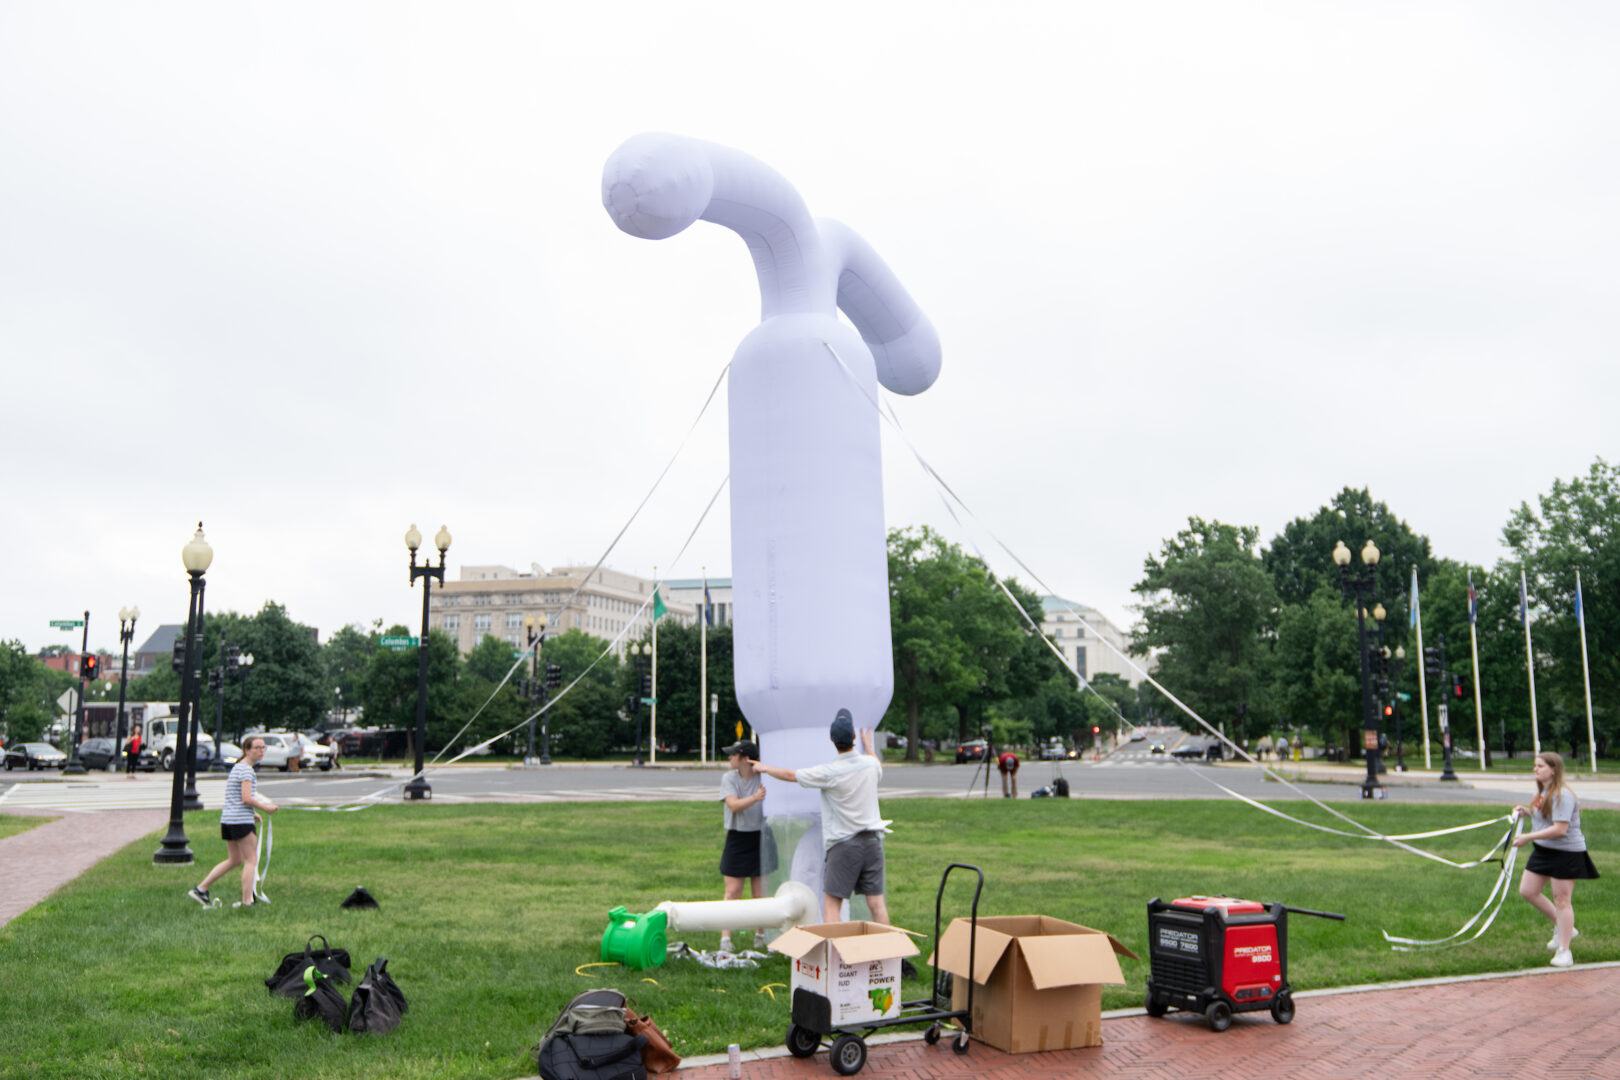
(1300, 558)
(1575, 526)
(388, 688)
(584, 721)
(345, 658)
(26, 695)
(1208, 610)
(1317, 670)
(680, 704)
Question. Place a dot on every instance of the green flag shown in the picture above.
(658, 605)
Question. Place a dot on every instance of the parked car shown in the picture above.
(1187, 752)
(972, 750)
(1054, 750)
(230, 754)
(277, 745)
(34, 755)
(1137, 736)
(97, 753)
(315, 755)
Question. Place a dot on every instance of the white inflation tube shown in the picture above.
(793, 905)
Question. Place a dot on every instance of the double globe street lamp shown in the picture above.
(418, 787)
(1359, 588)
(175, 848)
(126, 633)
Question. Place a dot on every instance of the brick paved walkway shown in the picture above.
(1554, 1024)
(36, 863)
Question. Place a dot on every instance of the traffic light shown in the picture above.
(553, 676)
(523, 688)
(1458, 688)
(90, 668)
(632, 705)
(233, 658)
(213, 678)
(1096, 730)
(1389, 711)
(646, 686)
(1431, 662)
(179, 652)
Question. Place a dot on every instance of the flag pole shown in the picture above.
(1586, 672)
(653, 736)
(1423, 684)
(1473, 650)
(703, 671)
(1529, 661)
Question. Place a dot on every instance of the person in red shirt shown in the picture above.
(1007, 762)
(133, 749)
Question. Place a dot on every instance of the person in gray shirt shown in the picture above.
(743, 793)
(1559, 857)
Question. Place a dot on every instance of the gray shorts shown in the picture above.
(854, 866)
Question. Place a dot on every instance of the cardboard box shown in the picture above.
(845, 973)
(1038, 980)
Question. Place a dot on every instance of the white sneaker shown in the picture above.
(725, 944)
(1552, 942)
(1561, 958)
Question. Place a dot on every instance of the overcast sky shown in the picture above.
(313, 272)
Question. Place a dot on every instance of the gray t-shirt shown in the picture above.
(235, 811)
(753, 818)
(1566, 810)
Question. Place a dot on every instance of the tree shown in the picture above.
(1317, 671)
(957, 642)
(680, 705)
(1208, 608)
(1300, 558)
(584, 720)
(1575, 526)
(26, 694)
(345, 658)
(286, 687)
(388, 688)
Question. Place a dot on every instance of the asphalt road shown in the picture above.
(1131, 773)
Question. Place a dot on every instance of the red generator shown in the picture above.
(1219, 955)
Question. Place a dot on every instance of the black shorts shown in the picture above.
(740, 858)
(1564, 865)
(236, 832)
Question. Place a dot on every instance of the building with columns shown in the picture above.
(1075, 628)
(497, 599)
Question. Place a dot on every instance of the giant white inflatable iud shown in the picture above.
(808, 545)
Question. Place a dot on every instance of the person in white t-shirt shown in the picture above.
(851, 827)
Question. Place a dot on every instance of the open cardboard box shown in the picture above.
(845, 973)
(1038, 980)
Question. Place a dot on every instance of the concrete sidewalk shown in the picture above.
(1545, 1023)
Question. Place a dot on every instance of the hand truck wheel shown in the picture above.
(931, 1036)
(802, 1042)
(960, 1043)
(848, 1054)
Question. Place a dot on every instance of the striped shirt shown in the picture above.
(237, 812)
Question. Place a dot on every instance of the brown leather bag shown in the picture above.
(657, 1056)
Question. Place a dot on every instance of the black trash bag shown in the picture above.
(288, 980)
(378, 1002)
(360, 898)
(321, 1000)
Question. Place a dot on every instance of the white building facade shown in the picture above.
(1075, 630)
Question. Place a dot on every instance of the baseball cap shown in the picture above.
(843, 729)
(747, 749)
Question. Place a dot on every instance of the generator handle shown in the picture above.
(1308, 911)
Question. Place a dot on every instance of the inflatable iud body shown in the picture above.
(809, 576)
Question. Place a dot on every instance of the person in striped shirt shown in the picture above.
(237, 825)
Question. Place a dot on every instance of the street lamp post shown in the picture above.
(126, 633)
(1444, 712)
(418, 787)
(640, 662)
(75, 767)
(196, 556)
(1395, 694)
(535, 630)
(1359, 588)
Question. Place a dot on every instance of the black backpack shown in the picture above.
(589, 1041)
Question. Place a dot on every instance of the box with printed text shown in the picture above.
(845, 973)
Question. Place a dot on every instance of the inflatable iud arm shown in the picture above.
(656, 185)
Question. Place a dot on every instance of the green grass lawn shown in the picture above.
(487, 910)
(12, 824)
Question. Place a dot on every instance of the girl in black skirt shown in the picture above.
(1559, 857)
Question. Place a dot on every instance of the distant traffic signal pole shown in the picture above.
(76, 767)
